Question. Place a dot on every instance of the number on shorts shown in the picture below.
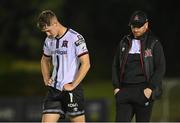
(71, 97)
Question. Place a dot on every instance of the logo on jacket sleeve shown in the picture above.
(148, 53)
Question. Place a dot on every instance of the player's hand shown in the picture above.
(68, 87)
(147, 92)
(48, 82)
(116, 91)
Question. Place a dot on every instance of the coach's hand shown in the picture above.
(116, 91)
(147, 92)
(69, 87)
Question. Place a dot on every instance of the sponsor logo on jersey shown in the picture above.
(60, 52)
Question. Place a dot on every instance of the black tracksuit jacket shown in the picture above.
(153, 66)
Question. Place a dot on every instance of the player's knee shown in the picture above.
(80, 118)
(50, 118)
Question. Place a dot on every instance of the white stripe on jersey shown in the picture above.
(65, 52)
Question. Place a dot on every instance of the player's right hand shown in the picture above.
(68, 87)
(48, 82)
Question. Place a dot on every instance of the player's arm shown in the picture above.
(85, 65)
(45, 69)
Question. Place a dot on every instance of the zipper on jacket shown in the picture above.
(141, 61)
(125, 61)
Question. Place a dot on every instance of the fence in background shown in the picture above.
(29, 109)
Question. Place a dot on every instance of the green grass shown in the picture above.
(23, 78)
(101, 89)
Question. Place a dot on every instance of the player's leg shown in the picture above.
(52, 106)
(74, 104)
(80, 118)
(50, 117)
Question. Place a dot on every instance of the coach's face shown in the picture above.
(51, 31)
(139, 31)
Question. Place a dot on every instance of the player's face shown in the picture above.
(139, 31)
(51, 31)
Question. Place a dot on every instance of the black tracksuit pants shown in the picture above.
(130, 101)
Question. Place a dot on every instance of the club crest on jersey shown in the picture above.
(65, 43)
(148, 53)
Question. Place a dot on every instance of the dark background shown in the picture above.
(102, 23)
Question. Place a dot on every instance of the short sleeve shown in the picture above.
(46, 48)
(80, 46)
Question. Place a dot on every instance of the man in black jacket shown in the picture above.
(137, 71)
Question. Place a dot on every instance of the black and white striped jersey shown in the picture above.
(65, 53)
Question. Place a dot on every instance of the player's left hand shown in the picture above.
(68, 87)
(147, 92)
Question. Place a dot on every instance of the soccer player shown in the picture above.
(66, 50)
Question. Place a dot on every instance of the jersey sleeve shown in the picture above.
(80, 46)
(46, 48)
